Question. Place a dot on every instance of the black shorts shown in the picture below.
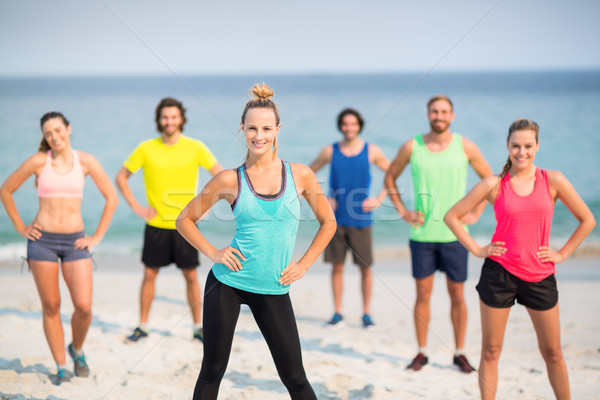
(499, 288)
(165, 246)
(357, 240)
(450, 258)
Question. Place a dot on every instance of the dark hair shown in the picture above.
(519, 125)
(440, 97)
(350, 111)
(44, 146)
(169, 102)
(261, 98)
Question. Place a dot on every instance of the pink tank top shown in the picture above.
(524, 224)
(52, 184)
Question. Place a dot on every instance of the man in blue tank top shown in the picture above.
(349, 184)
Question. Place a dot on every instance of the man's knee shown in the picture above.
(190, 276)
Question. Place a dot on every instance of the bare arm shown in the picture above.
(565, 192)
(96, 172)
(377, 157)
(314, 196)
(322, 159)
(215, 169)
(396, 168)
(222, 186)
(481, 168)
(146, 213)
(484, 190)
(12, 183)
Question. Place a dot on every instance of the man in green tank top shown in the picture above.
(439, 162)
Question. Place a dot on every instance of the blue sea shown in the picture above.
(111, 115)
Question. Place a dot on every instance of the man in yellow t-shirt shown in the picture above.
(170, 163)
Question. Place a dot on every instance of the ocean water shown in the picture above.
(111, 115)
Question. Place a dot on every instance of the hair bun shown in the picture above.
(261, 91)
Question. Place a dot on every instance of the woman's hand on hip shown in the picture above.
(230, 257)
(493, 249)
(32, 231)
(546, 254)
(87, 242)
(292, 273)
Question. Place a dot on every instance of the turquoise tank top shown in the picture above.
(439, 181)
(265, 233)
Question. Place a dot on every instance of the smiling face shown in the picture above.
(440, 116)
(57, 134)
(260, 130)
(522, 146)
(350, 127)
(170, 121)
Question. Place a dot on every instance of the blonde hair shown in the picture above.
(261, 95)
(519, 125)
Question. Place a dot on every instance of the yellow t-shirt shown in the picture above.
(170, 175)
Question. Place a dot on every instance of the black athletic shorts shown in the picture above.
(165, 246)
(357, 240)
(499, 288)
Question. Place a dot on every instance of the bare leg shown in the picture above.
(366, 283)
(78, 277)
(458, 311)
(547, 329)
(422, 313)
(147, 292)
(493, 326)
(337, 284)
(45, 275)
(194, 295)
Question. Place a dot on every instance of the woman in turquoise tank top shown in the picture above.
(257, 268)
(519, 264)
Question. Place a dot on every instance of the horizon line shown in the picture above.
(124, 74)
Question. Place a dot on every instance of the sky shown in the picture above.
(125, 37)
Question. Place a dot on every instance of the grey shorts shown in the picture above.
(56, 246)
(357, 240)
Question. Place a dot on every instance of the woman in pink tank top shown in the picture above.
(57, 233)
(519, 263)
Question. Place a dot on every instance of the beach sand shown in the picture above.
(348, 363)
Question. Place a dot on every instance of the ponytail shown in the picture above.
(506, 168)
(44, 146)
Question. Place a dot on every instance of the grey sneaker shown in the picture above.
(199, 334)
(61, 376)
(81, 368)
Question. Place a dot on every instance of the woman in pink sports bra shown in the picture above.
(519, 263)
(57, 233)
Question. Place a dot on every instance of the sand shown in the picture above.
(348, 363)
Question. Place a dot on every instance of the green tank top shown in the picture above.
(439, 181)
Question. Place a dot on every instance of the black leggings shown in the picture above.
(275, 318)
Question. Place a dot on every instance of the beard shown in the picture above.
(438, 128)
(170, 132)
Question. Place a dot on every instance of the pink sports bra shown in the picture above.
(52, 184)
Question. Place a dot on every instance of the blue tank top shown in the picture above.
(265, 233)
(349, 183)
